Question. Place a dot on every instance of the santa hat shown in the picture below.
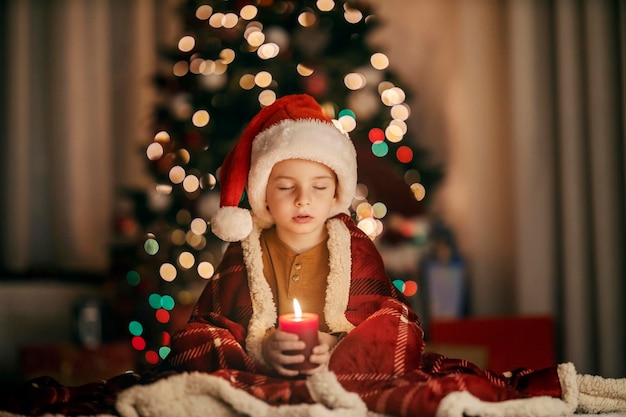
(293, 127)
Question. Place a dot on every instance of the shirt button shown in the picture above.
(298, 266)
(295, 277)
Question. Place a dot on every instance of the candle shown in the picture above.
(305, 325)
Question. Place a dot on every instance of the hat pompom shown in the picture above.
(232, 224)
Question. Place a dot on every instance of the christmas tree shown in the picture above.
(233, 58)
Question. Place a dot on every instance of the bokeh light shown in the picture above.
(248, 12)
(186, 43)
(151, 246)
(152, 357)
(135, 328)
(133, 278)
(162, 315)
(154, 300)
(419, 192)
(204, 12)
(404, 154)
(376, 135)
(206, 270)
(380, 149)
(379, 61)
(167, 272)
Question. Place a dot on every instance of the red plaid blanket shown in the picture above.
(381, 358)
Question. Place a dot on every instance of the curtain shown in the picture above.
(523, 101)
(77, 97)
(567, 66)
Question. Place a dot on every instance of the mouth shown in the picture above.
(302, 218)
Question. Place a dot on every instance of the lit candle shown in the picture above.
(305, 325)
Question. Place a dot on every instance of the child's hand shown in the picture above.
(275, 343)
(321, 353)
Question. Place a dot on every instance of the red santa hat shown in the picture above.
(293, 127)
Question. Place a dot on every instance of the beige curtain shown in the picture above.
(78, 106)
(524, 103)
(568, 129)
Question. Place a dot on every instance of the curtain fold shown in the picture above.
(569, 159)
(79, 104)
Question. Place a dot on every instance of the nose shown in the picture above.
(303, 198)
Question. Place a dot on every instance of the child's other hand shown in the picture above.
(275, 343)
(321, 353)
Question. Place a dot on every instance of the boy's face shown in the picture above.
(299, 197)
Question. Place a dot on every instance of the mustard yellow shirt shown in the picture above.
(296, 275)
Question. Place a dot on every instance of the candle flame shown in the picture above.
(297, 311)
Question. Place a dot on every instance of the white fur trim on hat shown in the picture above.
(312, 140)
(231, 224)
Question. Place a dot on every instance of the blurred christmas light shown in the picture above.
(400, 112)
(191, 183)
(412, 176)
(379, 210)
(186, 43)
(364, 210)
(151, 357)
(352, 15)
(361, 191)
(347, 123)
(394, 133)
(138, 342)
(186, 260)
(133, 278)
(256, 38)
(164, 351)
(263, 79)
(307, 19)
(268, 51)
(151, 246)
(304, 70)
(167, 272)
(376, 135)
(409, 288)
(379, 61)
(135, 328)
(206, 270)
(267, 97)
(200, 118)
(177, 174)
(167, 302)
(325, 5)
(248, 12)
(404, 154)
(354, 81)
(230, 20)
(380, 149)
(154, 151)
(154, 300)
(216, 20)
(204, 12)
(198, 226)
(419, 192)
(162, 315)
